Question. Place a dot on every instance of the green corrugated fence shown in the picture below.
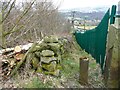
(94, 40)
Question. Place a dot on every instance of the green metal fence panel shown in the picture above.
(113, 12)
(94, 41)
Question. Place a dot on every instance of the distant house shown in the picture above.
(76, 22)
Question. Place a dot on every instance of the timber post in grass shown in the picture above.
(84, 64)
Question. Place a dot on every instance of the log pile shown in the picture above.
(45, 56)
(10, 57)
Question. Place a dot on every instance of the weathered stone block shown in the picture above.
(50, 39)
(35, 62)
(49, 67)
(54, 46)
(37, 54)
(39, 70)
(48, 59)
(40, 47)
(47, 53)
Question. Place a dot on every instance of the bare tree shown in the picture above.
(8, 26)
(29, 21)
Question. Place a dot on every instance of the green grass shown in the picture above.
(36, 83)
(70, 68)
(92, 65)
(70, 61)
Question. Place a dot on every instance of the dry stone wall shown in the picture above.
(47, 55)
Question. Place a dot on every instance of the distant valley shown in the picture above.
(91, 13)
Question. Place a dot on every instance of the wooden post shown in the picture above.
(84, 63)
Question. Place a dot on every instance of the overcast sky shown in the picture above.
(68, 4)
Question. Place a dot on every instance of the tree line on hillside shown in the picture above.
(90, 15)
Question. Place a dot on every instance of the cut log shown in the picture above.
(26, 47)
(17, 49)
(84, 63)
(7, 50)
(12, 63)
(19, 56)
(21, 61)
(10, 54)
